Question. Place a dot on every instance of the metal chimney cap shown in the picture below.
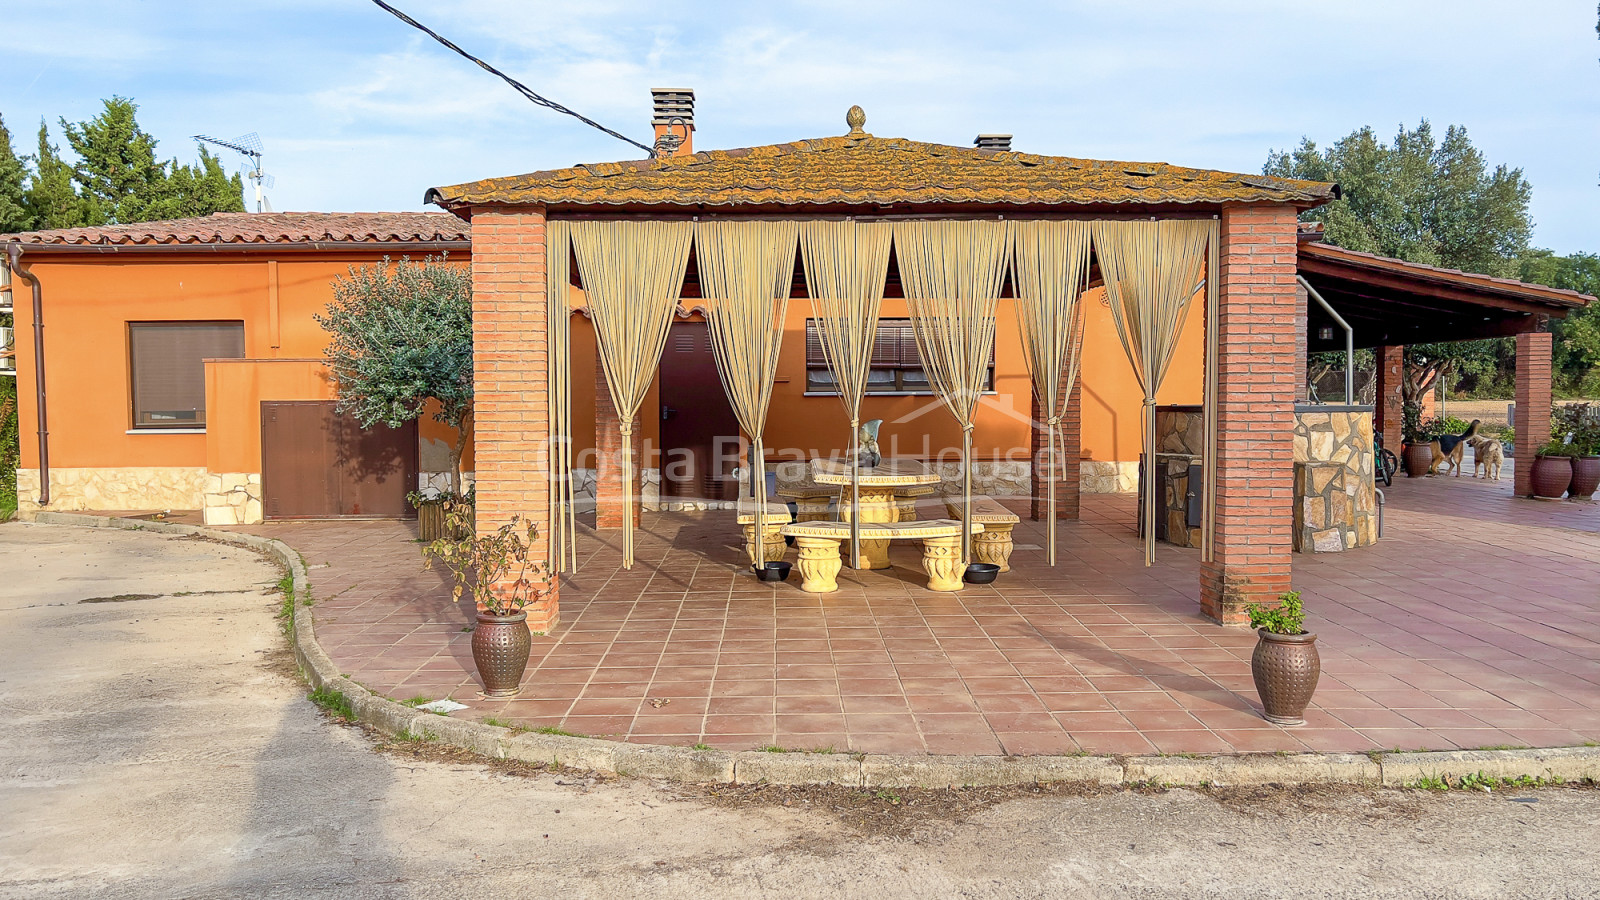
(992, 142)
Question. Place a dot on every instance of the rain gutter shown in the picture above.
(14, 258)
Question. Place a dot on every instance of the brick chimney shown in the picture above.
(1001, 142)
(673, 117)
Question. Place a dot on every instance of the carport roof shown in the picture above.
(1393, 302)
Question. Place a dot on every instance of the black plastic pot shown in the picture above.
(981, 573)
(773, 571)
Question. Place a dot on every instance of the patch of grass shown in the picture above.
(497, 722)
(551, 729)
(773, 748)
(286, 605)
(1482, 781)
(887, 796)
(417, 701)
(1504, 747)
(825, 750)
(701, 746)
(333, 702)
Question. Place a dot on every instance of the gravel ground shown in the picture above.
(157, 746)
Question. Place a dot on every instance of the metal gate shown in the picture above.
(319, 464)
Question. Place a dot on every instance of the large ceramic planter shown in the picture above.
(1417, 458)
(1286, 668)
(500, 646)
(1551, 476)
(1585, 477)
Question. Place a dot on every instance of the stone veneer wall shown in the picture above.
(127, 487)
(1336, 506)
(1180, 443)
(232, 498)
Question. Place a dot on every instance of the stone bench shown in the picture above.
(994, 544)
(820, 562)
(771, 531)
(907, 498)
(811, 503)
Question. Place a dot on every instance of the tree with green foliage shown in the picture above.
(1577, 337)
(52, 200)
(1425, 201)
(119, 175)
(401, 336)
(14, 215)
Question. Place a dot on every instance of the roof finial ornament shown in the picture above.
(856, 118)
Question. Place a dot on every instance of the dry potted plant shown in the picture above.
(1286, 664)
(504, 578)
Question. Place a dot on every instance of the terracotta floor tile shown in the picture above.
(1119, 742)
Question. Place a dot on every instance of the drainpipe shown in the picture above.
(14, 256)
(1349, 341)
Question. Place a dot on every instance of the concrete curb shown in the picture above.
(683, 764)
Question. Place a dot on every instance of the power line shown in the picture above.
(521, 88)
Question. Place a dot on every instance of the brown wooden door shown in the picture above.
(318, 464)
(699, 433)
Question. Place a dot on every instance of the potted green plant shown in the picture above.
(1552, 470)
(1415, 454)
(504, 578)
(1581, 421)
(1286, 664)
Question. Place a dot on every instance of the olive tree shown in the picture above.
(400, 335)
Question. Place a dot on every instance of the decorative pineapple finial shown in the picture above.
(856, 118)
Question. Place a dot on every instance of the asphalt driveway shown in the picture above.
(155, 744)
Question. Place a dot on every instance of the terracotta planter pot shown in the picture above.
(1286, 668)
(1585, 477)
(1417, 458)
(500, 646)
(1551, 476)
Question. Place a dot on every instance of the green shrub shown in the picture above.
(1288, 617)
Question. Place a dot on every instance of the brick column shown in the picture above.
(1068, 453)
(1533, 405)
(1255, 412)
(609, 492)
(1388, 414)
(510, 373)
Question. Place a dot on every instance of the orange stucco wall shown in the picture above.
(88, 303)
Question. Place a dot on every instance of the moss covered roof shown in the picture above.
(863, 169)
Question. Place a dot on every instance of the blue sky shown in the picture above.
(359, 112)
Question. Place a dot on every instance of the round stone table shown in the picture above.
(879, 484)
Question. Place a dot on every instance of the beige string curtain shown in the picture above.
(1050, 262)
(1151, 270)
(558, 269)
(633, 272)
(952, 272)
(746, 270)
(846, 264)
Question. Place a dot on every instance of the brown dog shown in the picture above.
(1450, 448)
(1487, 453)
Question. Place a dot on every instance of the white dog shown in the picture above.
(1488, 453)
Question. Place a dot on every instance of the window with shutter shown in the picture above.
(896, 367)
(166, 362)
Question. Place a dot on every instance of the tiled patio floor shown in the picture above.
(1459, 629)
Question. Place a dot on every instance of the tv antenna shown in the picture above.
(250, 146)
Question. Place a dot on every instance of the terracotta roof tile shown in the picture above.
(264, 228)
(862, 169)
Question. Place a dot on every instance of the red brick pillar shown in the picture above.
(1067, 453)
(1533, 405)
(1256, 361)
(510, 373)
(609, 492)
(1388, 414)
